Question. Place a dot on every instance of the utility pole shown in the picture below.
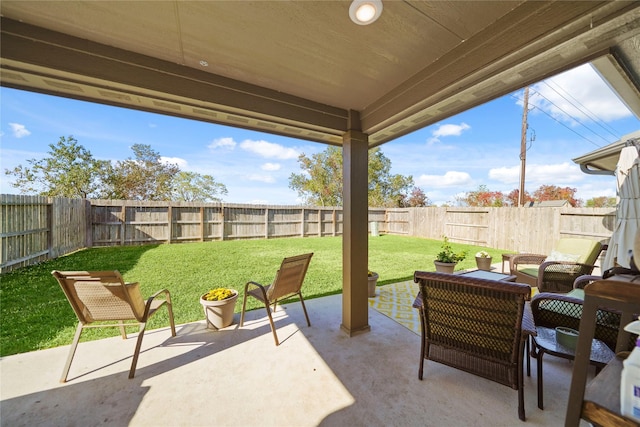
(523, 146)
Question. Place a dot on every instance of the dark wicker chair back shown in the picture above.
(474, 325)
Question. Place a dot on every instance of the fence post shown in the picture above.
(224, 226)
(202, 231)
(123, 219)
(88, 224)
(49, 227)
(334, 221)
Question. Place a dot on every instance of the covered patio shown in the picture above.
(237, 377)
(303, 69)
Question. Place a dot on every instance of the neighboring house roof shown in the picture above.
(603, 160)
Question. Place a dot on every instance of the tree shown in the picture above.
(483, 197)
(601, 202)
(320, 183)
(416, 199)
(513, 198)
(69, 171)
(194, 187)
(145, 177)
(321, 180)
(553, 192)
(385, 189)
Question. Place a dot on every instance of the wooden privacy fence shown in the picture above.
(126, 222)
(37, 228)
(530, 229)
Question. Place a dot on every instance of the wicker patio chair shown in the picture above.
(98, 296)
(551, 310)
(474, 325)
(287, 284)
(556, 272)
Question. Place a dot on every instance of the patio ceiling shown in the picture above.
(302, 68)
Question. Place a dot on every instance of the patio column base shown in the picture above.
(354, 332)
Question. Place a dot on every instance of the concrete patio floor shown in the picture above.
(238, 377)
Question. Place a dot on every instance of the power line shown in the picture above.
(583, 109)
(560, 123)
(571, 117)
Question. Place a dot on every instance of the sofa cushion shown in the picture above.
(587, 250)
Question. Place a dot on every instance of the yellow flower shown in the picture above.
(218, 294)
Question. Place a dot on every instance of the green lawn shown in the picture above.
(36, 315)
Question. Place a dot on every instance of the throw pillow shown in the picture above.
(559, 256)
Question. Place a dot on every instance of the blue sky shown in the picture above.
(478, 147)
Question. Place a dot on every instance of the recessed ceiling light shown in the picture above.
(204, 63)
(365, 12)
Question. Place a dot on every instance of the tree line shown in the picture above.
(70, 170)
(487, 198)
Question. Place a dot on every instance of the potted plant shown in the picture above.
(447, 259)
(373, 281)
(219, 306)
(483, 260)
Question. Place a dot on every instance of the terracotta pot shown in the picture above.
(219, 314)
(483, 263)
(445, 267)
(373, 281)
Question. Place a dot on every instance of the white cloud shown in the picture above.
(449, 179)
(270, 167)
(578, 94)
(261, 178)
(19, 131)
(535, 175)
(269, 150)
(447, 130)
(182, 163)
(227, 143)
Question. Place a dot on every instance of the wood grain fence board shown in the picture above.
(38, 228)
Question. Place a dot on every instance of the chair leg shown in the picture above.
(244, 305)
(521, 413)
(422, 345)
(123, 331)
(134, 362)
(540, 385)
(304, 308)
(171, 321)
(72, 352)
(528, 356)
(273, 326)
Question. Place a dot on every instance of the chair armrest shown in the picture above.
(262, 296)
(559, 276)
(551, 310)
(254, 284)
(584, 280)
(526, 259)
(147, 306)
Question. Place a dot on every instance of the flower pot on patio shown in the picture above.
(447, 258)
(445, 267)
(483, 263)
(373, 281)
(219, 314)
